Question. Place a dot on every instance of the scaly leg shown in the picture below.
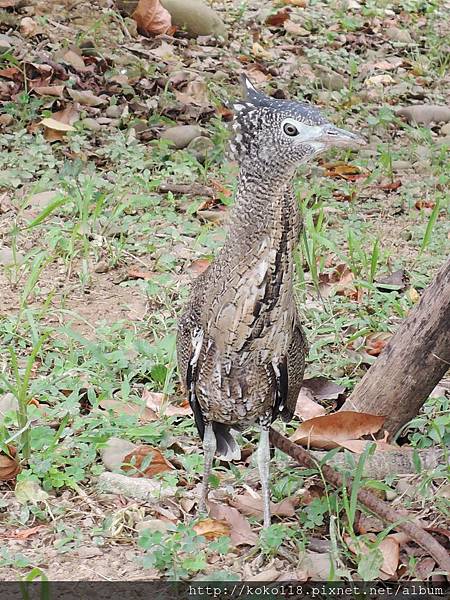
(263, 464)
(209, 449)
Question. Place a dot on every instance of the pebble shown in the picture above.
(445, 129)
(200, 147)
(400, 165)
(331, 80)
(153, 525)
(114, 112)
(396, 34)
(88, 551)
(91, 124)
(181, 135)
(6, 120)
(6, 42)
(195, 17)
(7, 257)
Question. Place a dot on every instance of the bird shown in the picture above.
(241, 349)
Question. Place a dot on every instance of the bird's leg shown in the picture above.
(263, 465)
(209, 449)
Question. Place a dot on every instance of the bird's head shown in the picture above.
(269, 132)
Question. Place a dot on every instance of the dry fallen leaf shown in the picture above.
(390, 549)
(295, 29)
(9, 467)
(49, 90)
(151, 17)
(323, 388)
(307, 407)
(52, 123)
(299, 3)
(157, 402)
(375, 342)
(198, 266)
(240, 532)
(59, 123)
(331, 431)
(397, 280)
(250, 504)
(137, 462)
(29, 27)
(86, 97)
(256, 73)
(278, 18)
(75, 60)
(144, 413)
(340, 281)
(317, 564)
(195, 92)
(270, 574)
(139, 274)
(9, 3)
(24, 534)
(211, 529)
(345, 171)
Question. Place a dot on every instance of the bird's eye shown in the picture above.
(290, 129)
(331, 132)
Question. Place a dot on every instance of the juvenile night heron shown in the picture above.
(241, 348)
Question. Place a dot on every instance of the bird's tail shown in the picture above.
(227, 447)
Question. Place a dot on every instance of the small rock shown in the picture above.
(6, 120)
(101, 267)
(148, 490)
(181, 135)
(114, 452)
(114, 112)
(195, 17)
(445, 129)
(29, 27)
(200, 147)
(42, 199)
(400, 165)
(424, 114)
(88, 552)
(86, 97)
(6, 42)
(395, 34)
(153, 525)
(91, 124)
(331, 80)
(7, 258)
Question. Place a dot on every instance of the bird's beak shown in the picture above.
(333, 136)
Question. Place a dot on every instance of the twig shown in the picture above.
(186, 188)
(374, 504)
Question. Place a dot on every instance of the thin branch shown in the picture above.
(380, 508)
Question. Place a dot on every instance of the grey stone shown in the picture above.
(181, 135)
(6, 42)
(200, 147)
(195, 17)
(114, 112)
(395, 34)
(7, 258)
(91, 124)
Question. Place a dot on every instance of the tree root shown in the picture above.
(389, 462)
(380, 508)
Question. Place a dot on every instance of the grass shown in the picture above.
(62, 360)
